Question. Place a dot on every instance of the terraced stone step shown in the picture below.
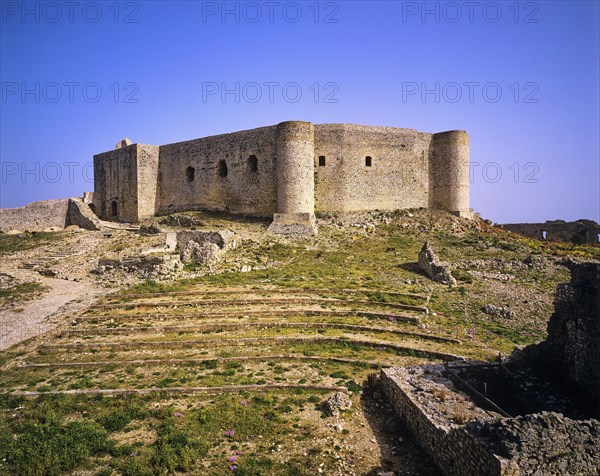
(248, 358)
(222, 291)
(243, 341)
(182, 390)
(264, 313)
(249, 325)
(246, 302)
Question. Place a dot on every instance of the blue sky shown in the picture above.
(521, 77)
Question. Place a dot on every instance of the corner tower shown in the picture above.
(449, 172)
(295, 172)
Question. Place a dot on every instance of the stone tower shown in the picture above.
(295, 171)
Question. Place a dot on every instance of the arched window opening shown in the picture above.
(222, 168)
(113, 208)
(190, 173)
(544, 235)
(253, 163)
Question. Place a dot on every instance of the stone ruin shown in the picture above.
(535, 412)
(204, 247)
(579, 231)
(430, 264)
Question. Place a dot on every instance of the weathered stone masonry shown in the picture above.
(289, 170)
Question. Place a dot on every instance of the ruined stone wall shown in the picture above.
(231, 172)
(573, 345)
(583, 231)
(36, 216)
(454, 450)
(546, 443)
(486, 444)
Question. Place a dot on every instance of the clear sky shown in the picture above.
(521, 77)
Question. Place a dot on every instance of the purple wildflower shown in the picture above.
(232, 458)
(233, 467)
(178, 414)
(244, 402)
(230, 432)
(239, 452)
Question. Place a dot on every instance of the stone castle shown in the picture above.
(288, 171)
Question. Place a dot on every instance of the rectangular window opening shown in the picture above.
(368, 161)
(321, 161)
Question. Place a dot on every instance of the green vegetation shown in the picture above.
(278, 431)
(20, 293)
(26, 241)
(54, 435)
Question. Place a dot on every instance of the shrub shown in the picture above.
(50, 449)
(463, 276)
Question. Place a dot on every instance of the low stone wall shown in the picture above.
(428, 408)
(36, 216)
(464, 440)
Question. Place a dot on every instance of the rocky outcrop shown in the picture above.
(433, 267)
(151, 229)
(204, 247)
(545, 443)
(36, 216)
(201, 253)
(293, 225)
(501, 311)
(181, 221)
(149, 267)
(338, 402)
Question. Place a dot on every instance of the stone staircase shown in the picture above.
(83, 246)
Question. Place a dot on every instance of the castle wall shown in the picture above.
(248, 187)
(293, 168)
(115, 180)
(147, 176)
(397, 177)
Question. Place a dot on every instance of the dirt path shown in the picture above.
(43, 314)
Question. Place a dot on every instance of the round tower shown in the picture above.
(295, 179)
(449, 172)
